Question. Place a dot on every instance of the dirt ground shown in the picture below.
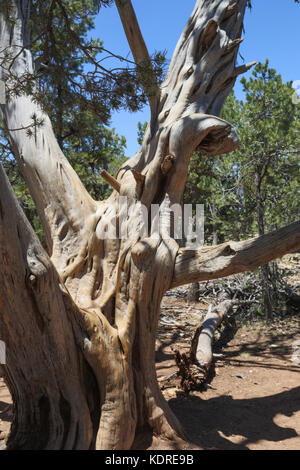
(252, 402)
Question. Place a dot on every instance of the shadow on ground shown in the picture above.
(208, 422)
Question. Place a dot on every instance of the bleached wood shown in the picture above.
(111, 180)
(234, 257)
(212, 320)
(139, 51)
(112, 287)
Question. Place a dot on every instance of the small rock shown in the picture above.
(240, 376)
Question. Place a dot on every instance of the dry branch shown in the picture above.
(234, 257)
(195, 367)
(62, 202)
(42, 354)
(111, 180)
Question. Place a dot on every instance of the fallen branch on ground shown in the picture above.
(196, 367)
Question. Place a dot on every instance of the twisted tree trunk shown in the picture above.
(80, 321)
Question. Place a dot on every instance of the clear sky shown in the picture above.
(272, 30)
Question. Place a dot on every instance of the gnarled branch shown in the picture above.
(234, 257)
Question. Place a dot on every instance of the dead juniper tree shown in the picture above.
(79, 319)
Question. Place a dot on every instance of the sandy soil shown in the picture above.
(252, 402)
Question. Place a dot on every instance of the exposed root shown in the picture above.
(193, 375)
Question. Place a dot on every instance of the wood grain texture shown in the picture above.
(93, 302)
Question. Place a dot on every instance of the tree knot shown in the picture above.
(167, 164)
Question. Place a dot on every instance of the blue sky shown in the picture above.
(272, 30)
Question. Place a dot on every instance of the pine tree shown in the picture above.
(256, 188)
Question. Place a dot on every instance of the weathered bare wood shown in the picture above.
(44, 368)
(111, 180)
(234, 257)
(140, 52)
(203, 353)
(63, 204)
(201, 74)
